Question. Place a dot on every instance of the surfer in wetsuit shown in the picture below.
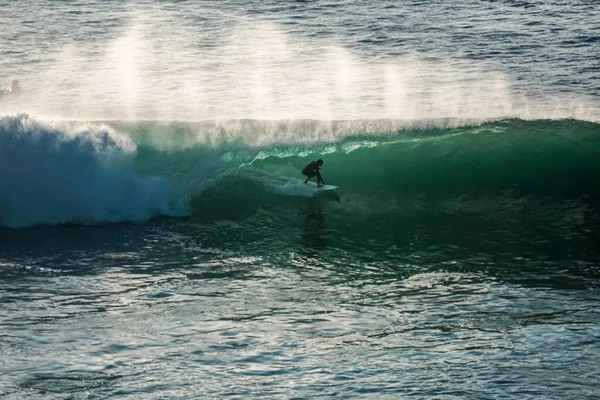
(312, 169)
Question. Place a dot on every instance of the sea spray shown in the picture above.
(258, 70)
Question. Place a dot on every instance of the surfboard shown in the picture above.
(322, 188)
(327, 187)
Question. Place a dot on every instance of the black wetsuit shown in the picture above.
(311, 170)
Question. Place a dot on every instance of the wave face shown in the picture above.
(544, 156)
(231, 169)
(54, 175)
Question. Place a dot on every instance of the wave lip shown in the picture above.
(53, 175)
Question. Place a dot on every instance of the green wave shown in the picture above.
(373, 160)
(547, 156)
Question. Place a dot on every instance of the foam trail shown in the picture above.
(51, 175)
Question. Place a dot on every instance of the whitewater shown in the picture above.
(157, 239)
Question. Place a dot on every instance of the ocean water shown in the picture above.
(157, 240)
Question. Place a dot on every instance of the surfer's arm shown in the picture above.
(319, 177)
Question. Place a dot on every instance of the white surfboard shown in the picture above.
(327, 187)
(313, 186)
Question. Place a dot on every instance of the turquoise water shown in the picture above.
(157, 241)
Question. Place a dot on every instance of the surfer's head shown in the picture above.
(320, 162)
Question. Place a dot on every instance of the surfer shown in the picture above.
(312, 169)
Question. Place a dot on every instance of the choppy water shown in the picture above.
(156, 240)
